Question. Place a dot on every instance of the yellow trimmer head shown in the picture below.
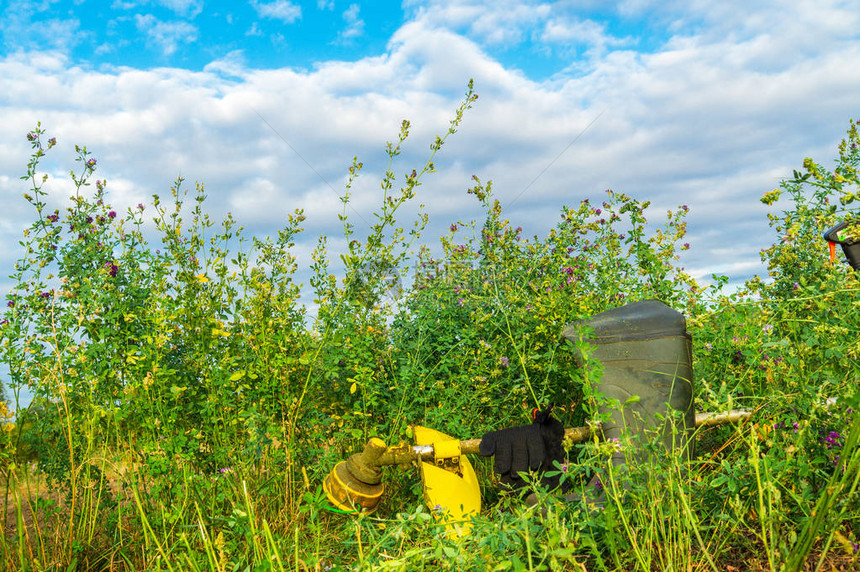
(355, 485)
(451, 488)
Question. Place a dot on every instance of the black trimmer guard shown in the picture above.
(840, 235)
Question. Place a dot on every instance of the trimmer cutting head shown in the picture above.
(346, 492)
(355, 484)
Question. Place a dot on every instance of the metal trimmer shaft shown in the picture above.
(404, 453)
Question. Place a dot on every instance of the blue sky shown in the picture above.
(191, 34)
(691, 102)
(270, 34)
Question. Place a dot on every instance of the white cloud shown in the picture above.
(491, 22)
(325, 4)
(57, 34)
(167, 35)
(128, 4)
(185, 8)
(282, 10)
(22, 27)
(708, 120)
(354, 24)
(232, 64)
(570, 33)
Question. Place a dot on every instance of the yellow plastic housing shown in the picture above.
(451, 489)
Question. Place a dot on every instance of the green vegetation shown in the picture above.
(186, 407)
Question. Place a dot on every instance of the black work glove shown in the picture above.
(515, 450)
(527, 447)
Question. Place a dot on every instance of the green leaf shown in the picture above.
(720, 480)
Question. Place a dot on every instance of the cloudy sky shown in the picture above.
(691, 102)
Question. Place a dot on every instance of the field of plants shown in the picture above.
(187, 407)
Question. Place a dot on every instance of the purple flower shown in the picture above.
(795, 426)
(598, 485)
(504, 361)
(140, 207)
(31, 136)
(91, 164)
(89, 220)
(53, 218)
(10, 304)
(111, 268)
(832, 440)
(51, 142)
(453, 228)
